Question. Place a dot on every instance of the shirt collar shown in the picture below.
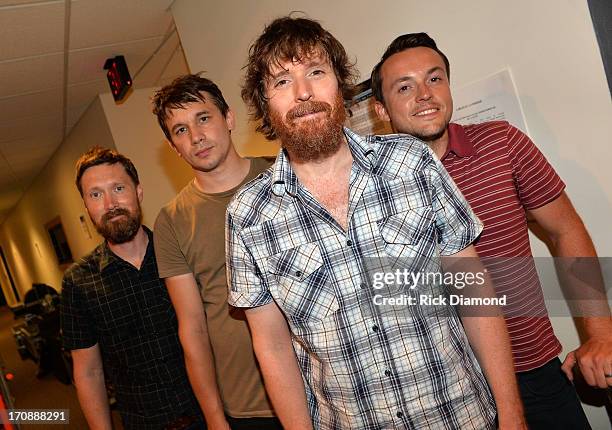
(285, 179)
(108, 257)
(458, 142)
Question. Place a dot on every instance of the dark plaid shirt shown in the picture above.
(365, 367)
(107, 301)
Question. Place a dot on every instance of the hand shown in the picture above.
(594, 358)
(219, 423)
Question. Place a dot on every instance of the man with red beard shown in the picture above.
(116, 316)
(308, 241)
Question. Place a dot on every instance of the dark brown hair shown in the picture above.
(98, 155)
(400, 44)
(185, 89)
(285, 39)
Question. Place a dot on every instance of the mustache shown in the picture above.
(307, 108)
(115, 212)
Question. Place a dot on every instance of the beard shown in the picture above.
(121, 230)
(313, 139)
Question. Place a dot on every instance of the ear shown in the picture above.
(381, 111)
(139, 192)
(230, 120)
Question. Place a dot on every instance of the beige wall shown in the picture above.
(137, 135)
(549, 45)
(23, 235)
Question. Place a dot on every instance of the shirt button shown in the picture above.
(374, 328)
(387, 373)
(400, 414)
(349, 243)
(298, 274)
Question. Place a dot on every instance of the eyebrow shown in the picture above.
(310, 62)
(179, 124)
(410, 78)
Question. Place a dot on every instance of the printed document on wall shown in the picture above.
(493, 98)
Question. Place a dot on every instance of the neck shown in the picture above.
(133, 251)
(439, 145)
(229, 174)
(328, 166)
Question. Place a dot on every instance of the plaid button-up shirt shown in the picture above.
(364, 366)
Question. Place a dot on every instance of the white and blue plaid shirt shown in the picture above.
(364, 367)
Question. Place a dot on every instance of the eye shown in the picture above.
(403, 88)
(318, 72)
(95, 195)
(281, 83)
(180, 130)
(119, 188)
(204, 118)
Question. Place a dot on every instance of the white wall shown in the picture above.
(549, 45)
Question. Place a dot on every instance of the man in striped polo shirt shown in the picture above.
(508, 182)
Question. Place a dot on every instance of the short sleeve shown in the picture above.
(456, 223)
(170, 258)
(247, 288)
(78, 328)
(536, 181)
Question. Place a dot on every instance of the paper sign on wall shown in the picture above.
(493, 98)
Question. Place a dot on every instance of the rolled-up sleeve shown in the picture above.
(247, 287)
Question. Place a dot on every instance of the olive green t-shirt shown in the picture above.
(190, 238)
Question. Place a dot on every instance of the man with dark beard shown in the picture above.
(117, 318)
(307, 238)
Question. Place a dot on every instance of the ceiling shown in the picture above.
(51, 69)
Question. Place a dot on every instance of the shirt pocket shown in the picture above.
(409, 237)
(303, 287)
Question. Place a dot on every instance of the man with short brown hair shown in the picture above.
(116, 315)
(189, 242)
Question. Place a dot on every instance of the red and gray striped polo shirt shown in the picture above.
(502, 173)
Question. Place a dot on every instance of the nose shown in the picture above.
(303, 90)
(198, 137)
(423, 93)
(110, 201)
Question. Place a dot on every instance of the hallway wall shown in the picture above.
(23, 236)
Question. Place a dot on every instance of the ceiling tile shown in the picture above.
(32, 74)
(32, 127)
(87, 65)
(117, 21)
(7, 177)
(75, 113)
(168, 63)
(22, 150)
(84, 94)
(32, 30)
(177, 65)
(11, 3)
(31, 105)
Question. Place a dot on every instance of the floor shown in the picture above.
(29, 392)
